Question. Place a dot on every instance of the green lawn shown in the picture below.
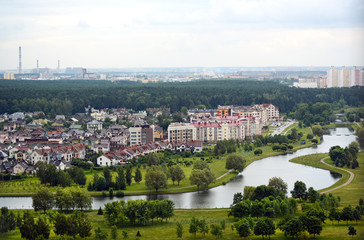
(349, 194)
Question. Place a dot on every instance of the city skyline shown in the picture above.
(150, 34)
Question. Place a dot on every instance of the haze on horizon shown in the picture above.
(183, 33)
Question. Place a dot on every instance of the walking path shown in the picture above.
(342, 185)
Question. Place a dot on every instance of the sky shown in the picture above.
(181, 33)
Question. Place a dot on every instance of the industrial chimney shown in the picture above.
(20, 71)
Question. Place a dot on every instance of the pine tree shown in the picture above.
(138, 175)
(128, 176)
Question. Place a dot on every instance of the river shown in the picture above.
(257, 173)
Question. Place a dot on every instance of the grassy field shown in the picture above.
(349, 194)
(168, 230)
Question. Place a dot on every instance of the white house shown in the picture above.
(104, 160)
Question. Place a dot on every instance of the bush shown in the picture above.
(120, 194)
(100, 212)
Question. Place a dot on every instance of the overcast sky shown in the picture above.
(181, 33)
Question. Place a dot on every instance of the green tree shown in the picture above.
(63, 199)
(243, 229)
(312, 195)
(216, 230)
(179, 229)
(152, 159)
(248, 192)
(138, 175)
(114, 232)
(357, 214)
(200, 164)
(7, 220)
(42, 228)
(193, 226)
(203, 227)
(43, 200)
(84, 226)
(100, 234)
(299, 190)
(78, 175)
(293, 227)
(258, 151)
(156, 178)
(201, 178)
(278, 183)
(28, 228)
(314, 226)
(100, 184)
(107, 176)
(334, 215)
(128, 175)
(317, 130)
(61, 224)
(238, 197)
(176, 173)
(73, 226)
(347, 214)
(235, 162)
(352, 231)
(125, 234)
(264, 227)
(81, 198)
(120, 179)
(257, 209)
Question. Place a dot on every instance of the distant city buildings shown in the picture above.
(345, 77)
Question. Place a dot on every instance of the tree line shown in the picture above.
(69, 97)
(137, 212)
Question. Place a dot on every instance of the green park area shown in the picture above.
(349, 194)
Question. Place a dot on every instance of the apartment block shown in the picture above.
(181, 132)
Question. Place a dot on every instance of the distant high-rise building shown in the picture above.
(344, 77)
(332, 77)
(354, 77)
(9, 75)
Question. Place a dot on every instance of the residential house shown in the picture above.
(94, 126)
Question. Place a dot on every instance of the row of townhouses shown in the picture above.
(124, 156)
(24, 159)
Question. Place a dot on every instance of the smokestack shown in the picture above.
(37, 66)
(20, 71)
(59, 64)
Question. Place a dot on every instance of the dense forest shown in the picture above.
(71, 96)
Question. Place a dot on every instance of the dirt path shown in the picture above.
(342, 185)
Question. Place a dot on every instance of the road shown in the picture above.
(284, 126)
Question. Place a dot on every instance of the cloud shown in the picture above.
(83, 24)
(182, 33)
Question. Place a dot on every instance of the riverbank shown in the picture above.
(350, 193)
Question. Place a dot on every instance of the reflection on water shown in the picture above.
(257, 173)
(335, 175)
